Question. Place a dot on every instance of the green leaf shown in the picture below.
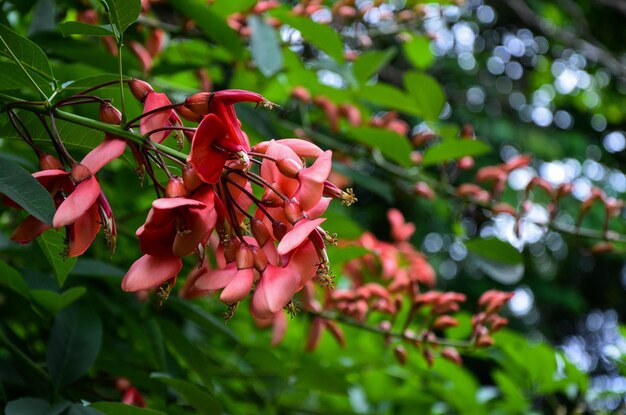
(322, 36)
(417, 50)
(22, 188)
(74, 136)
(367, 181)
(211, 24)
(9, 277)
(12, 77)
(390, 97)
(453, 150)
(427, 92)
(393, 145)
(79, 28)
(117, 408)
(74, 344)
(495, 250)
(96, 268)
(264, 46)
(52, 243)
(26, 406)
(227, 7)
(28, 55)
(123, 12)
(369, 63)
(54, 302)
(201, 400)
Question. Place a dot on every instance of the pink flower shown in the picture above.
(176, 226)
(160, 119)
(150, 271)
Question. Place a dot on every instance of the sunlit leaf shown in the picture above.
(393, 145)
(417, 50)
(495, 249)
(322, 36)
(453, 150)
(427, 92)
(370, 62)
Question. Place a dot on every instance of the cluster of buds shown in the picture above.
(382, 284)
(272, 244)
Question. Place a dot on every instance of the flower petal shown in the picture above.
(110, 149)
(77, 203)
(216, 279)
(205, 159)
(274, 290)
(239, 287)
(297, 235)
(83, 232)
(150, 272)
(28, 230)
(159, 119)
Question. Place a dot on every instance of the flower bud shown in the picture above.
(109, 114)
(293, 211)
(187, 114)
(244, 257)
(279, 229)
(288, 167)
(49, 162)
(230, 250)
(401, 354)
(190, 178)
(259, 231)
(199, 103)
(260, 259)
(451, 354)
(79, 173)
(139, 89)
(176, 188)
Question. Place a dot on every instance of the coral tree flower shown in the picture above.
(175, 227)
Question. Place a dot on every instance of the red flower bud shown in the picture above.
(244, 257)
(401, 354)
(279, 229)
(187, 114)
(190, 178)
(293, 211)
(288, 167)
(80, 173)
(109, 114)
(176, 188)
(139, 89)
(451, 354)
(260, 259)
(259, 231)
(49, 162)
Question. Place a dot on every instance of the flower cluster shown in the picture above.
(258, 208)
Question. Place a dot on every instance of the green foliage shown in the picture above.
(19, 186)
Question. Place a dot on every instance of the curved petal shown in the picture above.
(110, 149)
(319, 208)
(28, 230)
(150, 272)
(77, 203)
(297, 235)
(168, 203)
(239, 287)
(302, 148)
(305, 262)
(83, 232)
(274, 290)
(216, 279)
(205, 159)
(159, 119)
